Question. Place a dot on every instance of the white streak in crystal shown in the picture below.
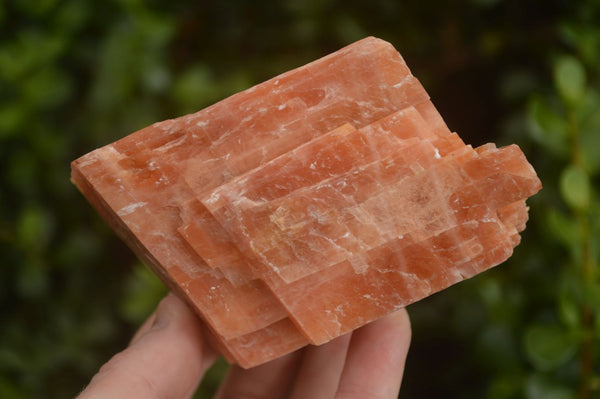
(214, 197)
(402, 82)
(90, 159)
(129, 209)
(172, 144)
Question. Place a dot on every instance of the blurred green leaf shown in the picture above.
(563, 227)
(568, 310)
(540, 387)
(212, 379)
(156, 78)
(144, 292)
(79, 244)
(592, 289)
(11, 358)
(9, 389)
(31, 50)
(36, 7)
(72, 15)
(570, 79)
(12, 118)
(34, 229)
(575, 187)
(588, 119)
(517, 84)
(491, 292)
(46, 87)
(548, 127)
(348, 29)
(33, 281)
(115, 78)
(195, 86)
(548, 346)
(584, 37)
(504, 387)
(569, 285)
(498, 342)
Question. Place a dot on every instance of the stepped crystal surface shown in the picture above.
(311, 204)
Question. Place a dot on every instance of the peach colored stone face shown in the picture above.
(311, 204)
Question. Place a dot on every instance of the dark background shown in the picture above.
(75, 75)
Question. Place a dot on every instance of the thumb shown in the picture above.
(167, 360)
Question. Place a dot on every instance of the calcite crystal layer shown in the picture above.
(311, 204)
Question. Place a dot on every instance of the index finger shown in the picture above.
(376, 356)
(168, 360)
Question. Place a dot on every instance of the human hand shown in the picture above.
(168, 357)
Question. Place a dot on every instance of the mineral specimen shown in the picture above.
(311, 204)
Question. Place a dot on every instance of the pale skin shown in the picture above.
(168, 357)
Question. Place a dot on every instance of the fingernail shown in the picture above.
(164, 313)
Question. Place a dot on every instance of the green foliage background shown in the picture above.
(75, 75)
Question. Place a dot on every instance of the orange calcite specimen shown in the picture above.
(311, 204)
